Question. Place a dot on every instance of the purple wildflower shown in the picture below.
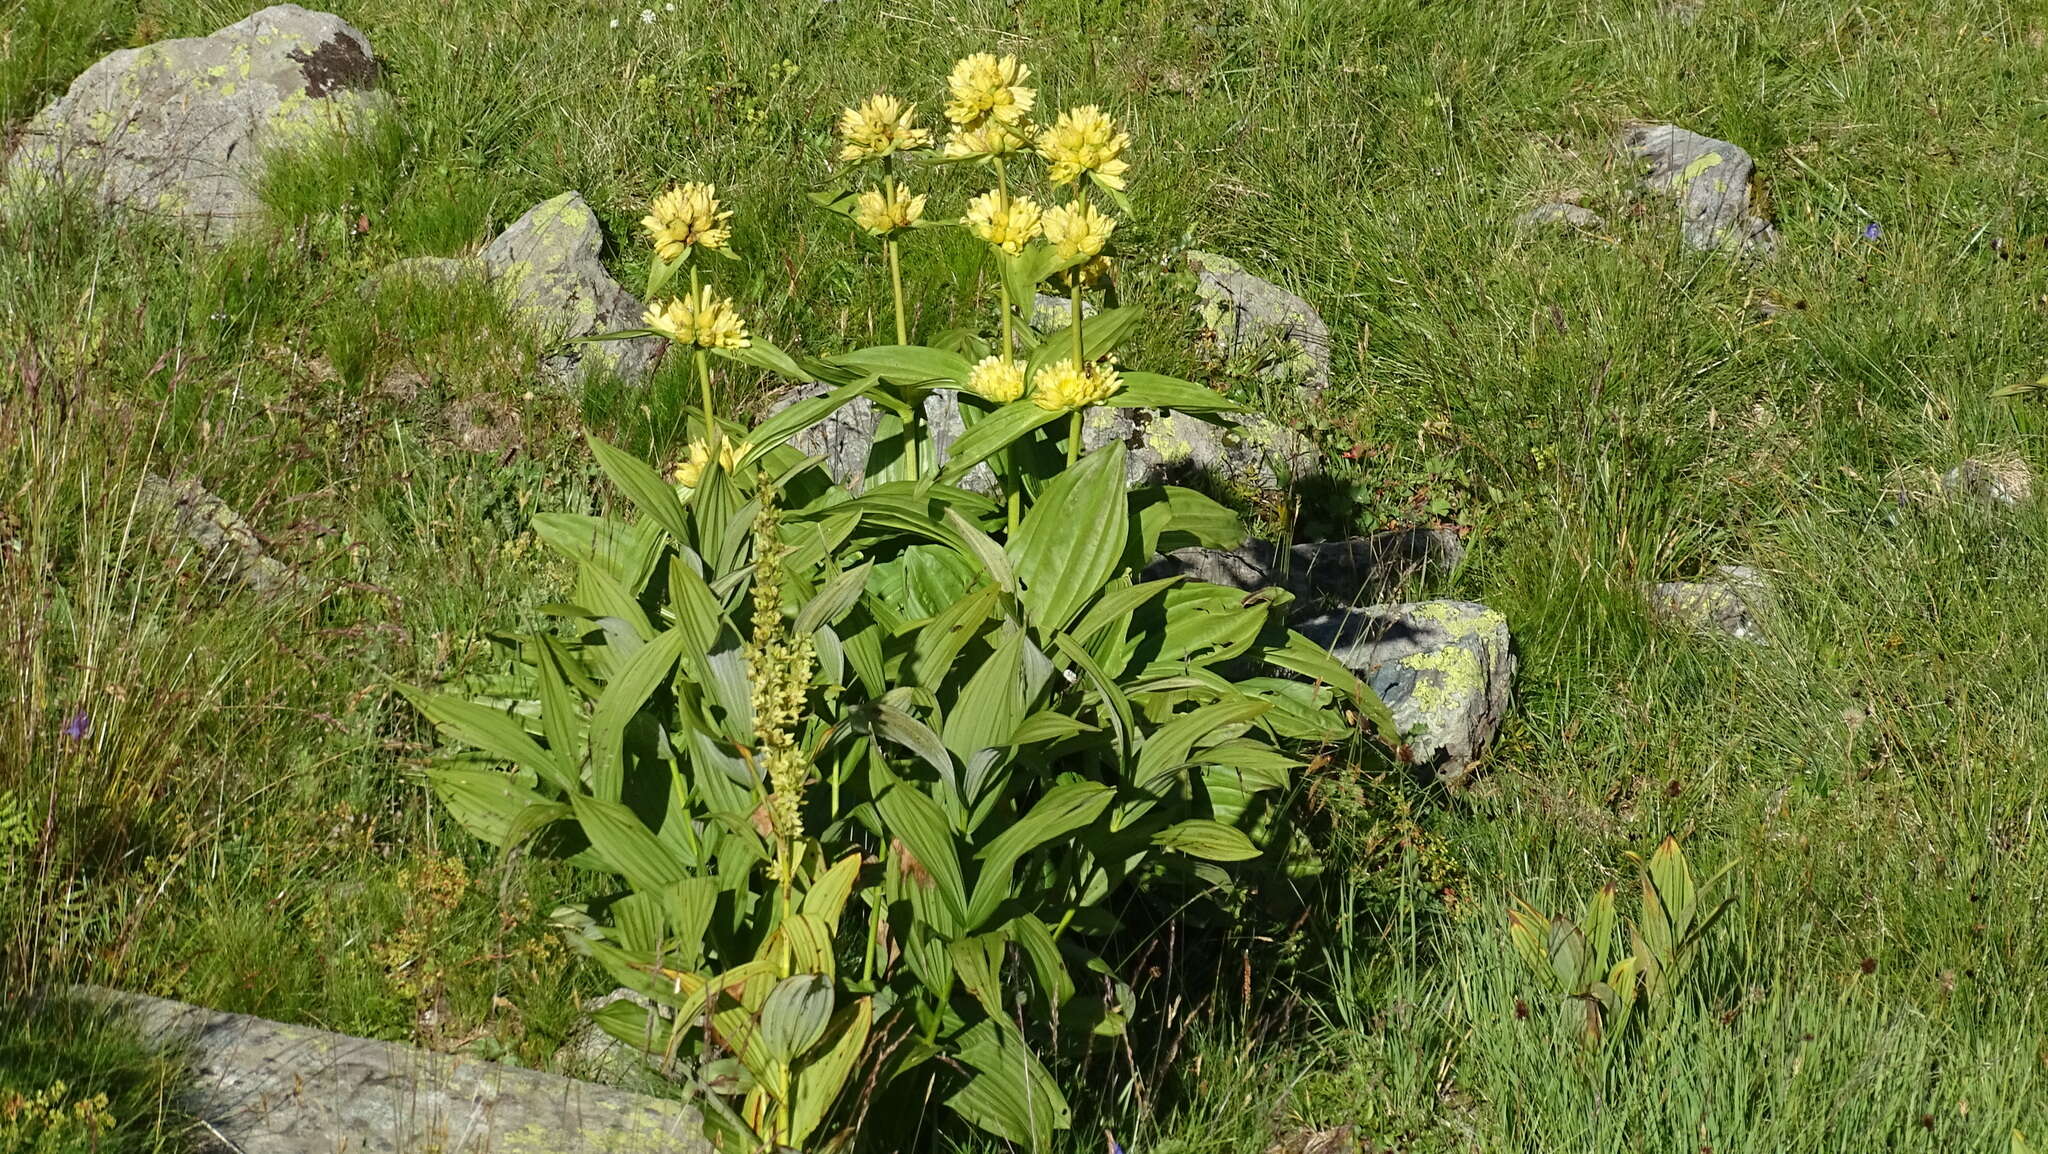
(1114, 1146)
(79, 726)
(1872, 231)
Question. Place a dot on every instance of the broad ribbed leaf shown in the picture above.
(916, 819)
(991, 435)
(820, 1080)
(793, 1018)
(622, 699)
(493, 731)
(909, 365)
(1073, 539)
(1209, 840)
(643, 487)
(1153, 391)
(626, 846)
(493, 806)
(1011, 1095)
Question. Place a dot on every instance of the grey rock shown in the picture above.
(2003, 483)
(262, 1087)
(229, 549)
(1561, 215)
(846, 439)
(1238, 451)
(1049, 312)
(546, 267)
(2007, 483)
(185, 127)
(593, 1053)
(1444, 668)
(1347, 572)
(1256, 318)
(1711, 181)
(1732, 603)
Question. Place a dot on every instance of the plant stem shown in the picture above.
(896, 285)
(704, 377)
(1009, 338)
(1074, 276)
(1074, 437)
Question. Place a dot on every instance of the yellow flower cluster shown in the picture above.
(997, 379)
(684, 218)
(1085, 140)
(987, 87)
(888, 209)
(1077, 232)
(1006, 222)
(691, 470)
(702, 318)
(989, 139)
(1065, 386)
(881, 126)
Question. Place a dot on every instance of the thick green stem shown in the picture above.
(896, 286)
(704, 378)
(1009, 335)
(1074, 437)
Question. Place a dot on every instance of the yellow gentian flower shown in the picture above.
(687, 217)
(997, 379)
(988, 87)
(888, 209)
(1085, 140)
(691, 470)
(1077, 232)
(1064, 386)
(1003, 221)
(988, 139)
(703, 319)
(881, 125)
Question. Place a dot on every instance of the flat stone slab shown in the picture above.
(267, 1088)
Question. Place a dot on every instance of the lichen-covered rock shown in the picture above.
(1561, 215)
(1256, 318)
(1711, 180)
(1238, 451)
(2002, 483)
(1345, 573)
(1049, 312)
(1444, 668)
(1731, 604)
(546, 267)
(228, 548)
(185, 127)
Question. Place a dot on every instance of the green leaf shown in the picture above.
(493, 806)
(1116, 604)
(829, 891)
(834, 599)
(914, 365)
(763, 355)
(1073, 539)
(793, 1018)
(1209, 840)
(490, 730)
(1011, 1095)
(820, 1081)
(1047, 964)
(992, 703)
(643, 487)
(625, 845)
(1300, 655)
(1064, 808)
(1171, 517)
(991, 435)
(916, 819)
(1167, 750)
(1021, 274)
(1155, 391)
(622, 699)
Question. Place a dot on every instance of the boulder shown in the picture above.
(1164, 446)
(1711, 181)
(264, 1087)
(228, 548)
(1344, 573)
(1444, 668)
(2004, 483)
(1561, 215)
(546, 267)
(1258, 319)
(1237, 451)
(1730, 603)
(1049, 312)
(185, 127)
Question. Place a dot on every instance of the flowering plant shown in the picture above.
(870, 769)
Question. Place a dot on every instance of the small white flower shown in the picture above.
(615, 22)
(668, 7)
(647, 16)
